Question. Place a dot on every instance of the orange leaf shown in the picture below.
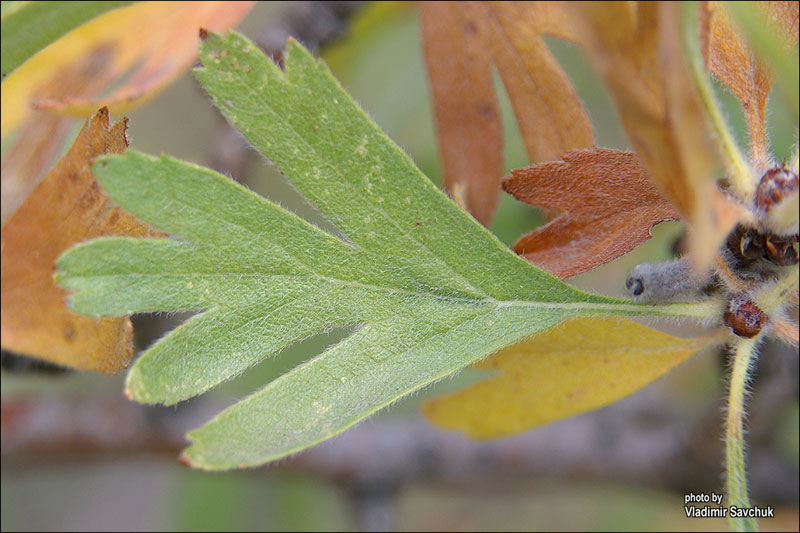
(467, 116)
(608, 207)
(66, 207)
(144, 46)
(729, 59)
(460, 40)
(547, 109)
(578, 366)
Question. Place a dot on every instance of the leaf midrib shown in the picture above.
(621, 308)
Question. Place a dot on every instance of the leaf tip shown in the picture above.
(185, 461)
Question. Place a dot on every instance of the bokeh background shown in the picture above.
(84, 459)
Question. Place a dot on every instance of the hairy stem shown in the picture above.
(734, 435)
(739, 173)
(773, 296)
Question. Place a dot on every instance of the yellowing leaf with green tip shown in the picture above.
(576, 367)
(134, 52)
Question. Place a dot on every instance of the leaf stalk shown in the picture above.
(736, 478)
(739, 173)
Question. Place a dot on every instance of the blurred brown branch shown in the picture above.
(631, 441)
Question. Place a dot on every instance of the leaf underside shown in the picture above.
(428, 289)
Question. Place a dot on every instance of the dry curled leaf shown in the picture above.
(580, 365)
(547, 109)
(728, 57)
(639, 57)
(608, 206)
(461, 40)
(467, 115)
(66, 207)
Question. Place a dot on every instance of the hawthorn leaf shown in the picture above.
(636, 47)
(65, 207)
(461, 40)
(120, 59)
(547, 109)
(730, 59)
(608, 205)
(27, 27)
(427, 290)
(580, 365)
(469, 132)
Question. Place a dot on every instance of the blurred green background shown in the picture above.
(379, 61)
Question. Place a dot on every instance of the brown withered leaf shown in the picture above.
(607, 202)
(633, 48)
(66, 207)
(546, 107)
(636, 47)
(732, 62)
(460, 42)
(467, 115)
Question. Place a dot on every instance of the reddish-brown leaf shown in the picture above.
(66, 207)
(730, 60)
(467, 116)
(607, 203)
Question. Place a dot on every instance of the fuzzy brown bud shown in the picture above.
(776, 184)
(744, 317)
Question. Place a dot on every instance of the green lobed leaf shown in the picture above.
(27, 27)
(428, 289)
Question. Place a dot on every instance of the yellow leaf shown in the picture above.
(578, 366)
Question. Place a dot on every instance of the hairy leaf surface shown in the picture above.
(426, 288)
